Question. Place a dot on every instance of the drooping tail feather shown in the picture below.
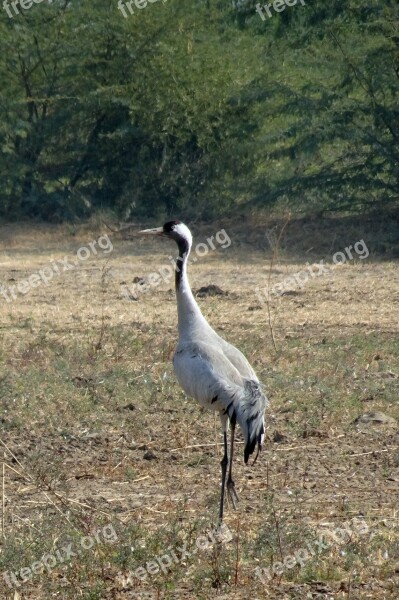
(250, 415)
(257, 439)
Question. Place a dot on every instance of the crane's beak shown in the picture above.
(155, 231)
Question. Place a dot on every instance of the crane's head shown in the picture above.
(176, 230)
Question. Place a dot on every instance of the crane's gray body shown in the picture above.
(213, 371)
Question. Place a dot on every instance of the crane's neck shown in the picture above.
(190, 318)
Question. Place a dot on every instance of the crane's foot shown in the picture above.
(222, 534)
(231, 490)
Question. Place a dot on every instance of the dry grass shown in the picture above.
(97, 431)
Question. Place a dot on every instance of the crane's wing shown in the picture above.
(237, 358)
(207, 374)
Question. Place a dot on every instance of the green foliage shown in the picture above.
(335, 139)
(197, 108)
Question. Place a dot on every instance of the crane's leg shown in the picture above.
(230, 483)
(224, 463)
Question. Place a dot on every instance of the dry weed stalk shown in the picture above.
(274, 244)
(45, 488)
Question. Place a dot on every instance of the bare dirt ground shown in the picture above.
(100, 444)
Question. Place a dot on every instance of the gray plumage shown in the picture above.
(210, 369)
(219, 377)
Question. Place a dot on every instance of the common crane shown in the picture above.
(210, 369)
